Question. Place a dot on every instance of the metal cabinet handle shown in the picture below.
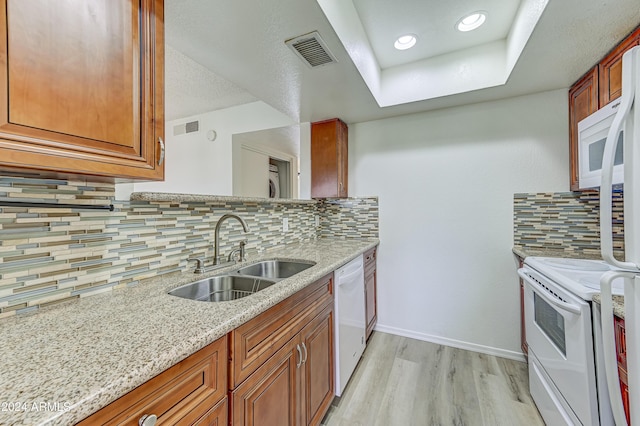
(161, 142)
(299, 363)
(306, 354)
(148, 420)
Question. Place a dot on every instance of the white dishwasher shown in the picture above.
(350, 321)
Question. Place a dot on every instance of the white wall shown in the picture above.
(445, 181)
(196, 165)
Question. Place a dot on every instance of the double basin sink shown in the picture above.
(243, 282)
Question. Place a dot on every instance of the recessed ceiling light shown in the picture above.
(405, 42)
(471, 21)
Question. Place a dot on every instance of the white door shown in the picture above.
(254, 174)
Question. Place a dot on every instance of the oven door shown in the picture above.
(558, 327)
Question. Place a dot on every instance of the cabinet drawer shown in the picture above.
(254, 342)
(178, 396)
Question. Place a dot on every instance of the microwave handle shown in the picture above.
(568, 307)
(606, 190)
(609, 344)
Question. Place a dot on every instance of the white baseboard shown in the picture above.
(503, 353)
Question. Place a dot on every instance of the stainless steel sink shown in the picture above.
(275, 269)
(222, 288)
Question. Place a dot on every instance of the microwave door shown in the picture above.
(592, 139)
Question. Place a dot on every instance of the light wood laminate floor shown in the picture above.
(402, 381)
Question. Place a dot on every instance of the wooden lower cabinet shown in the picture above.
(269, 396)
(276, 369)
(371, 289)
(294, 385)
(318, 367)
(523, 331)
(217, 416)
(621, 353)
(191, 392)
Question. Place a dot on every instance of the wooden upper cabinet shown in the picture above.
(598, 87)
(610, 69)
(583, 101)
(82, 87)
(329, 159)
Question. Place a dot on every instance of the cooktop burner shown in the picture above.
(576, 264)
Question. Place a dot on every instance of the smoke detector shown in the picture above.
(312, 49)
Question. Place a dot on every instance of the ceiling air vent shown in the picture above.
(312, 49)
(189, 127)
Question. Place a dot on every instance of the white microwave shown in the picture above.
(592, 135)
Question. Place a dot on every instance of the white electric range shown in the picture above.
(566, 366)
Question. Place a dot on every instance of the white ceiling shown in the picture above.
(433, 21)
(227, 52)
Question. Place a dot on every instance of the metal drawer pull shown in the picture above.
(306, 354)
(148, 420)
(161, 160)
(299, 363)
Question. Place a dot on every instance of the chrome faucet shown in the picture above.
(216, 246)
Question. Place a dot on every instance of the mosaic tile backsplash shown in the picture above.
(567, 221)
(50, 255)
(349, 217)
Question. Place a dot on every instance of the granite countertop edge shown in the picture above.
(202, 198)
(618, 304)
(84, 354)
(553, 252)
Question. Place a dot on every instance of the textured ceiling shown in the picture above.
(247, 50)
(191, 88)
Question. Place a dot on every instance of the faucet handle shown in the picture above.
(243, 254)
(199, 264)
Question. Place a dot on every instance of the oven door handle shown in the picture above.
(568, 307)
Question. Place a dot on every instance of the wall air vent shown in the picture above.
(312, 49)
(189, 127)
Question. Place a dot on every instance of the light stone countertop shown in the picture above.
(618, 304)
(538, 252)
(222, 199)
(81, 355)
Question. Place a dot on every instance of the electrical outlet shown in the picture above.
(285, 224)
(317, 221)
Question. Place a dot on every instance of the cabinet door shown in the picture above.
(610, 69)
(370, 299)
(318, 380)
(370, 289)
(343, 159)
(271, 395)
(583, 100)
(217, 416)
(329, 159)
(82, 86)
